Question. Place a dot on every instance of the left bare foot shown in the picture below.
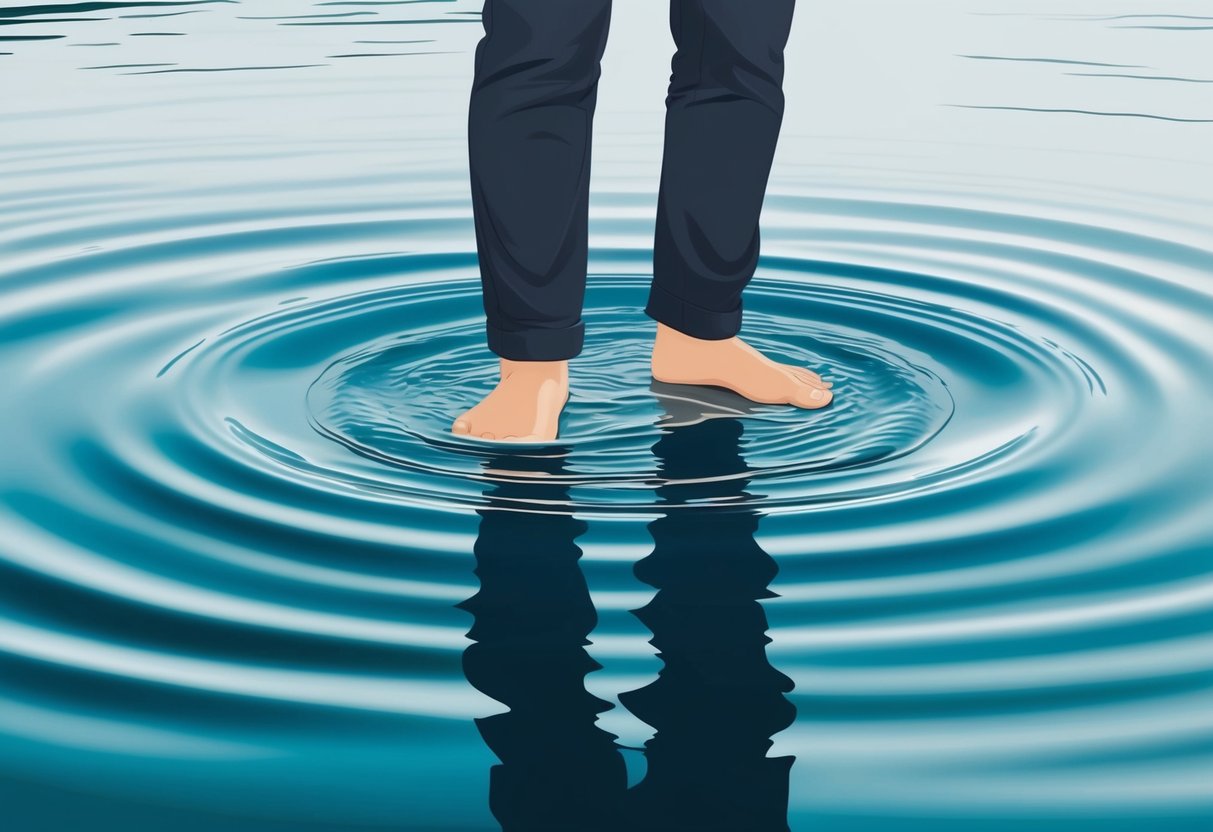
(733, 364)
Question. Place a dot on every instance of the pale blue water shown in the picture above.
(242, 562)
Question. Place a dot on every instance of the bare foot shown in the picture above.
(732, 363)
(524, 406)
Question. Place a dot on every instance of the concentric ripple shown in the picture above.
(238, 541)
(298, 465)
(390, 399)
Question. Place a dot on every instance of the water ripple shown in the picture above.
(240, 547)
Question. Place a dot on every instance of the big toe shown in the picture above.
(461, 426)
(811, 396)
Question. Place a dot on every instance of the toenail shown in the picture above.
(817, 393)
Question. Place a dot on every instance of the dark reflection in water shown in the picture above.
(718, 700)
(558, 770)
(715, 704)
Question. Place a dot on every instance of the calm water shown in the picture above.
(249, 582)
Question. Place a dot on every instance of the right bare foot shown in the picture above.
(524, 406)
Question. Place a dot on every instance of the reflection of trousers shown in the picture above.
(530, 120)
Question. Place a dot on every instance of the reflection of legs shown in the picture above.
(529, 129)
(559, 770)
(723, 114)
(718, 701)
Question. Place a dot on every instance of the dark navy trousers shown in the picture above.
(530, 120)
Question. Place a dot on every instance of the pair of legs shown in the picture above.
(530, 121)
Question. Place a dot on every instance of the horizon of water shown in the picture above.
(249, 581)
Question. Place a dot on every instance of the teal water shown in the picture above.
(249, 582)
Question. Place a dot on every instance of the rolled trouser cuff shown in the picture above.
(537, 343)
(691, 319)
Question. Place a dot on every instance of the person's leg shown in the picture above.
(724, 110)
(723, 113)
(530, 120)
(529, 128)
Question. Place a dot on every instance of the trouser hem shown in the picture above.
(537, 343)
(691, 319)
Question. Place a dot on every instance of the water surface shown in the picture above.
(248, 581)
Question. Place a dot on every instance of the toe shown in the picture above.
(461, 426)
(488, 435)
(811, 397)
(811, 377)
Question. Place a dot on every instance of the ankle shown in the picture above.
(668, 338)
(556, 370)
